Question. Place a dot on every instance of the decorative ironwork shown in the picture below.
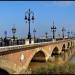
(63, 30)
(29, 15)
(34, 31)
(53, 28)
(13, 31)
(68, 34)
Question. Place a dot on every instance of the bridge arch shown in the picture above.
(39, 56)
(55, 51)
(3, 71)
(71, 44)
(68, 45)
(7, 66)
(63, 47)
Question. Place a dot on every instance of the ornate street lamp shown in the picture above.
(58, 35)
(68, 34)
(13, 31)
(72, 34)
(34, 31)
(5, 33)
(5, 38)
(29, 15)
(46, 34)
(63, 30)
(53, 29)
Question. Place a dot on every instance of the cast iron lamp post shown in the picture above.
(13, 31)
(63, 30)
(34, 31)
(29, 15)
(5, 33)
(53, 28)
(46, 34)
(68, 34)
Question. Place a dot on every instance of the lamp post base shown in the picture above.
(53, 40)
(29, 37)
(27, 41)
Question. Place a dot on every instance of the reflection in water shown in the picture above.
(36, 65)
(73, 59)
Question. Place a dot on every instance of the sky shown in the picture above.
(13, 13)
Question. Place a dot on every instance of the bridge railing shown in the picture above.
(8, 42)
(6, 48)
(38, 40)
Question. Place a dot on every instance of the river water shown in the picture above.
(36, 65)
(73, 59)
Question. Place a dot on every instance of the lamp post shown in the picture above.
(5, 33)
(5, 39)
(34, 32)
(63, 30)
(29, 15)
(13, 31)
(72, 34)
(53, 29)
(68, 34)
(46, 34)
(58, 35)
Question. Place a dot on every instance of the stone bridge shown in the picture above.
(14, 59)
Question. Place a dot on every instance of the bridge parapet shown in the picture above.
(35, 45)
